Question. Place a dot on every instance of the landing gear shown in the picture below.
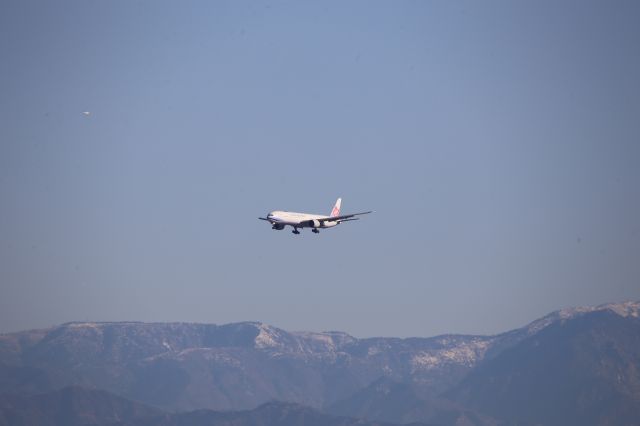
(295, 231)
(315, 231)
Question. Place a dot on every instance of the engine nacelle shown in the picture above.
(315, 223)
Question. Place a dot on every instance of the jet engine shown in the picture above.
(314, 223)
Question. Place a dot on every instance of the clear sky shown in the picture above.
(498, 143)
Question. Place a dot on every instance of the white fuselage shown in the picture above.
(299, 220)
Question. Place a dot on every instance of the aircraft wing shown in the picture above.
(342, 218)
(264, 218)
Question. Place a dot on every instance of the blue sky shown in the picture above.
(498, 143)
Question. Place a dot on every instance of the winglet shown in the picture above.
(336, 208)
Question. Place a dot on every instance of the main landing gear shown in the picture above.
(314, 230)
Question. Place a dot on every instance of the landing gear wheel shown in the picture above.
(315, 231)
(295, 231)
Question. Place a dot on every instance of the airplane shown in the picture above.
(279, 219)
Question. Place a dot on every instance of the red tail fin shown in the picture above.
(336, 208)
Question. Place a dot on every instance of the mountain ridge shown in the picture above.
(239, 366)
(624, 308)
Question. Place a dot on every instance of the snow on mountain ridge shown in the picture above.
(268, 337)
(329, 342)
(217, 355)
(624, 309)
(466, 353)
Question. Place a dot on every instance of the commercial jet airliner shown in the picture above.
(279, 219)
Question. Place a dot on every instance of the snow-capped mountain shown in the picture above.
(578, 366)
(624, 309)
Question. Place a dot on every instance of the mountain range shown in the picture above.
(574, 366)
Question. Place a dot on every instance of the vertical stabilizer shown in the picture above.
(336, 209)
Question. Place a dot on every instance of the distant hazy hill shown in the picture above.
(72, 406)
(387, 400)
(76, 406)
(269, 414)
(574, 364)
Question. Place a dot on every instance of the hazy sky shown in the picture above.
(498, 143)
